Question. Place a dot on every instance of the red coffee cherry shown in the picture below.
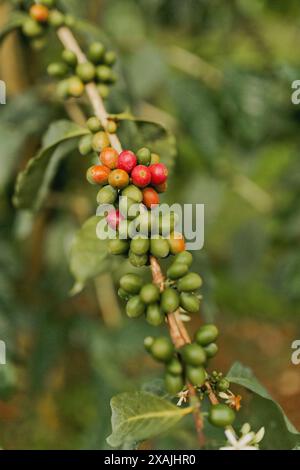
(161, 188)
(118, 179)
(109, 157)
(114, 218)
(127, 161)
(141, 176)
(39, 13)
(98, 174)
(150, 197)
(159, 173)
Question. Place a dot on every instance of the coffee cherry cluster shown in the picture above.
(186, 364)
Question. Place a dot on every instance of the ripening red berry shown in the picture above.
(150, 197)
(98, 174)
(159, 173)
(176, 243)
(161, 188)
(114, 218)
(127, 161)
(109, 157)
(141, 176)
(118, 179)
(39, 13)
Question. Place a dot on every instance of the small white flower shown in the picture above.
(239, 444)
(183, 397)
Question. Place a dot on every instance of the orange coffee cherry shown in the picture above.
(118, 179)
(39, 13)
(150, 197)
(176, 243)
(109, 157)
(98, 174)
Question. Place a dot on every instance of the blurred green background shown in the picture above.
(218, 74)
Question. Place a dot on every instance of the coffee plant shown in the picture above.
(130, 184)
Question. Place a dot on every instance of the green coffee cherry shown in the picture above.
(184, 257)
(140, 246)
(32, 28)
(94, 124)
(159, 247)
(123, 294)
(100, 141)
(206, 334)
(148, 342)
(135, 307)
(76, 87)
(96, 52)
(189, 282)
(189, 302)
(69, 57)
(150, 294)
(138, 260)
(57, 69)
(85, 145)
(154, 315)
(103, 90)
(211, 350)
(56, 18)
(221, 415)
(70, 21)
(111, 127)
(133, 193)
(104, 73)
(124, 206)
(177, 270)
(144, 156)
(86, 72)
(166, 224)
(193, 354)
(62, 89)
(118, 247)
(169, 300)
(110, 58)
(196, 375)
(162, 349)
(223, 385)
(38, 43)
(174, 384)
(107, 195)
(131, 283)
(174, 367)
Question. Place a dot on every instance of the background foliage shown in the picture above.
(218, 74)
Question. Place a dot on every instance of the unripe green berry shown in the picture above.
(223, 385)
(138, 260)
(76, 87)
(206, 334)
(144, 156)
(189, 282)
(135, 307)
(189, 302)
(177, 270)
(154, 315)
(123, 294)
(57, 69)
(221, 415)
(118, 247)
(131, 283)
(86, 72)
(70, 21)
(150, 294)
(140, 246)
(85, 145)
(32, 28)
(196, 375)
(107, 195)
(162, 349)
(184, 257)
(174, 367)
(100, 141)
(103, 90)
(110, 58)
(169, 300)
(133, 192)
(94, 124)
(38, 43)
(56, 18)
(62, 89)
(193, 354)
(104, 73)
(174, 384)
(159, 247)
(111, 127)
(211, 350)
(148, 342)
(125, 205)
(69, 57)
(96, 52)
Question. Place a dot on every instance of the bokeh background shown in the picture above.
(218, 74)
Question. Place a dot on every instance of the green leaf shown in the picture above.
(136, 133)
(33, 183)
(264, 411)
(15, 21)
(89, 256)
(138, 416)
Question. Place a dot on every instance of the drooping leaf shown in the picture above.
(15, 21)
(33, 182)
(89, 256)
(264, 411)
(138, 416)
